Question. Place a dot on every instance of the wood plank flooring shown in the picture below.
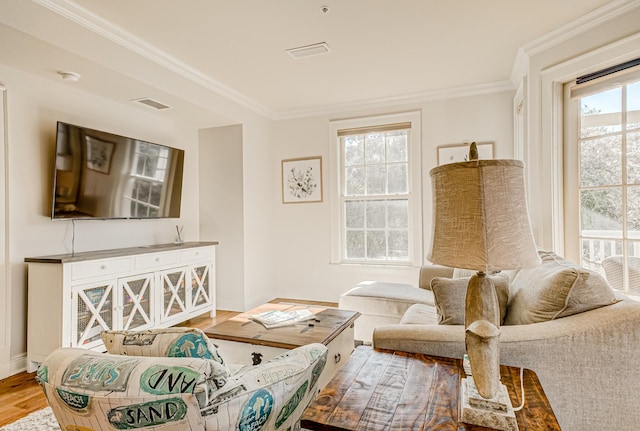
(21, 395)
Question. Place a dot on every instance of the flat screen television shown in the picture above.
(100, 175)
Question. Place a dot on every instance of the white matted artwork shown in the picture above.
(302, 180)
(460, 152)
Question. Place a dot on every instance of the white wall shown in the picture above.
(221, 209)
(34, 106)
(302, 231)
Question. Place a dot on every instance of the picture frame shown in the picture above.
(302, 180)
(99, 154)
(460, 152)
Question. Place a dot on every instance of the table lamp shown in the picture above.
(480, 222)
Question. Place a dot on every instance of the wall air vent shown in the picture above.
(152, 103)
(309, 50)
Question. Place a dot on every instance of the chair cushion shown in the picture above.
(179, 342)
(556, 288)
(450, 297)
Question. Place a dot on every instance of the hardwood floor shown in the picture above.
(21, 395)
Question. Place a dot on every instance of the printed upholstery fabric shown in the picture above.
(177, 342)
(93, 391)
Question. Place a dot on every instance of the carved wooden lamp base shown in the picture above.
(496, 413)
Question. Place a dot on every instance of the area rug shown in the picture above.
(42, 420)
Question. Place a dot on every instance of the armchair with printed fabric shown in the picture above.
(174, 379)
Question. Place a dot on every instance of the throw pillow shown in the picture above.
(556, 288)
(450, 295)
(165, 342)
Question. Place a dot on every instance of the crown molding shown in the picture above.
(581, 25)
(81, 16)
(407, 99)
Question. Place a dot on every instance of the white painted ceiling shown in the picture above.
(195, 55)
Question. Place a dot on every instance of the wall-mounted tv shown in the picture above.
(100, 175)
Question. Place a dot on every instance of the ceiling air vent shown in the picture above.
(152, 103)
(309, 50)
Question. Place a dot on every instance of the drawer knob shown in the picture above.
(337, 357)
(157, 259)
(103, 266)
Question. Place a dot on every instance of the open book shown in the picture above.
(276, 318)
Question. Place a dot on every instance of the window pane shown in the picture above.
(354, 214)
(398, 181)
(633, 212)
(601, 113)
(397, 147)
(398, 244)
(354, 181)
(353, 150)
(633, 106)
(601, 212)
(633, 265)
(595, 250)
(355, 244)
(376, 179)
(601, 162)
(633, 158)
(374, 148)
(143, 191)
(376, 214)
(376, 244)
(398, 214)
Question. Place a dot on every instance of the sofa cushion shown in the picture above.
(450, 297)
(556, 288)
(420, 314)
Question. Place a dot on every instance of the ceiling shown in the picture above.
(198, 56)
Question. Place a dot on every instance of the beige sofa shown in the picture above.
(585, 353)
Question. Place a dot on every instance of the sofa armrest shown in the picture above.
(429, 271)
(437, 340)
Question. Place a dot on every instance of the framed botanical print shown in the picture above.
(302, 180)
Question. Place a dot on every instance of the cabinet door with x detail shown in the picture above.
(136, 308)
(93, 311)
(173, 301)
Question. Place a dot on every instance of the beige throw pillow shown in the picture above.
(450, 295)
(557, 288)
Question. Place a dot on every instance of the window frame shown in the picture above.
(336, 195)
(572, 95)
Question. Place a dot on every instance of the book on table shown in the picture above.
(276, 318)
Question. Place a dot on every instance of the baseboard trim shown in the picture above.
(18, 364)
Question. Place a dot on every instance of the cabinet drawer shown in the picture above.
(195, 255)
(97, 268)
(152, 260)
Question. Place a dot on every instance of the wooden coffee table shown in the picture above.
(243, 341)
(386, 390)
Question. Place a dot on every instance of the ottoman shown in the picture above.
(381, 303)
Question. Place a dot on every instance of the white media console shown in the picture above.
(73, 297)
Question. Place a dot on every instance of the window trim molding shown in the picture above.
(415, 184)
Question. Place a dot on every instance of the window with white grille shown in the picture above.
(377, 207)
